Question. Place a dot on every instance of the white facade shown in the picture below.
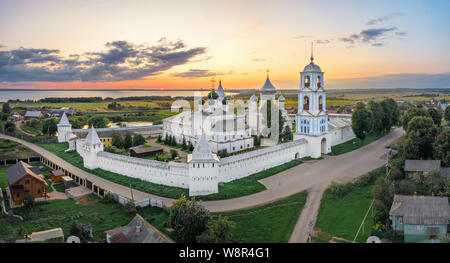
(214, 128)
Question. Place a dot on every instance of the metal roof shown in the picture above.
(421, 210)
(268, 86)
(35, 114)
(64, 121)
(92, 137)
(21, 169)
(202, 152)
(422, 165)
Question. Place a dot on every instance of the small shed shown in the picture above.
(146, 151)
(56, 176)
(67, 181)
(423, 167)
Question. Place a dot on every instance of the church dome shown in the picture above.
(268, 86)
(311, 67)
(213, 95)
(220, 90)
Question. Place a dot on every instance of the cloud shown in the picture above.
(258, 59)
(301, 36)
(400, 33)
(384, 18)
(373, 36)
(121, 61)
(199, 73)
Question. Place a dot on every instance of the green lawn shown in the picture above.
(237, 188)
(271, 223)
(29, 129)
(62, 213)
(353, 144)
(12, 150)
(59, 187)
(342, 216)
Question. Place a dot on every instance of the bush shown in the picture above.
(109, 199)
(130, 209)
(28, 200)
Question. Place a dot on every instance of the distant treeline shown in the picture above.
(65, 100)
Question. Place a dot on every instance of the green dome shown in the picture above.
(213, 95)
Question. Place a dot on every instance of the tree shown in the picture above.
(75, 229)
(130, 208)
(377, 116)
(128, 142)
(117, 139)
(174, 209)
(411, 113)
(173, 153)
(223, 153)
(191, 147)
(190, 221)
(361, 121)
(99, 122)
(404, 187)
(6, 108)
(436, 116)
(435, 184)
(158, 140)
(391, 114)
(442, 147)
(28, 200)
(383, 194)
(138, 140)
(10, 127)
(219, 231)
(50, 127)
(419, 138)
(447, 114)
(183, 144)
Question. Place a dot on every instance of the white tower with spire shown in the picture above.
(64, 128)
(91, 146)
(203, 169)
(312, 119)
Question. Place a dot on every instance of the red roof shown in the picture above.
(118, 238)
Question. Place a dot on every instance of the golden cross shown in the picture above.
(212, 83)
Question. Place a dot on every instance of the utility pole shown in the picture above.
(132, 197)
(310, 230)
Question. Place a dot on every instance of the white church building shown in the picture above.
(219, 128)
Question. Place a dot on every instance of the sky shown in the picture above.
(178, 44)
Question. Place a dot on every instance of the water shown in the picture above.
(6, 95)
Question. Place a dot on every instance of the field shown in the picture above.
(95, 106)
(340, 217)
(272, 223)
(62, 213)
(353, 144)
(12, 150)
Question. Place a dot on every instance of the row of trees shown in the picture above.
(377, 118)
(128, 141)
(171, 141)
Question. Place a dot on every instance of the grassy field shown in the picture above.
(13, 150)
(237, 188)
(353, 144)
(247, 185)
(95, 106)
(341, 216)
(272, 223)
(62, 213)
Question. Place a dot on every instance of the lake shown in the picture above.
(6, 95)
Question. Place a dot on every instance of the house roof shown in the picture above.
(47, 234)
(21, 169)
(421, 210)
(422, 165)
(57, 172)
(147, 149)
(129, 233)
(35, 114)
(445, 172)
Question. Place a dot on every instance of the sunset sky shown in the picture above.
(175, 44)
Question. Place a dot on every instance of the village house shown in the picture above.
(22, 179)
(32, 115)
(421, 219)
(423, 167)
(137, 231)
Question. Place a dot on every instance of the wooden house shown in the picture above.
(22, 179)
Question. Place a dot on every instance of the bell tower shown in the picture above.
(312, 118)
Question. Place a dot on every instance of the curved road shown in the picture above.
(313, 177)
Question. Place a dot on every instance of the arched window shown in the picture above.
(320, 102)
(307, 81)
(305, 103)
(319, 82)
(304, 126)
